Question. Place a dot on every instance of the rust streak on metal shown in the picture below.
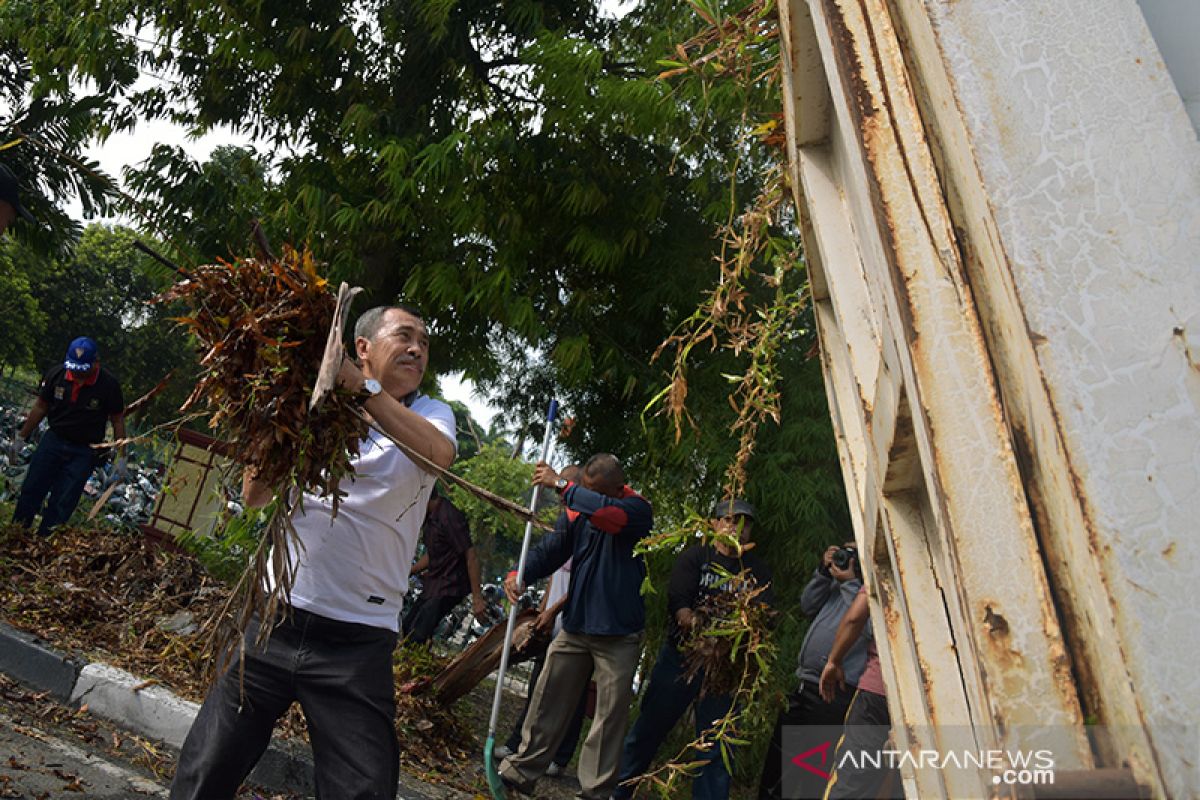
(1074, 624)
(996, 623)
(927, 686)
(863, 111)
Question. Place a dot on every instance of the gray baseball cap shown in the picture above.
(732, 508)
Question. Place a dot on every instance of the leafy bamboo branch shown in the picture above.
(750, 314)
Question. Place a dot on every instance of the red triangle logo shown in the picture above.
(801, 760)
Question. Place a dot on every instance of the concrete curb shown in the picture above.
(150, 711)
(25, 658)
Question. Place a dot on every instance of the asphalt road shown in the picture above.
(39, 760)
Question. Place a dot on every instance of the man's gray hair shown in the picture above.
(368, 324)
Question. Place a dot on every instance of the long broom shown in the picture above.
(493, 774)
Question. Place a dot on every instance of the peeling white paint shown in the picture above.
(1068, 173)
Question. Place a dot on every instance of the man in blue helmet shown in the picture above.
(78, 398)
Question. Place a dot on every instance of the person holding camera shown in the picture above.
(829, 594)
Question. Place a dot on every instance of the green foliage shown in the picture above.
(101, 290)
(472, 437)
(506, 166)
(17, 303)
(205, 208)
(46, 122)
(497, 536)
(226, 552)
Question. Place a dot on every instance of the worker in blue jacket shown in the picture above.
(602, 625)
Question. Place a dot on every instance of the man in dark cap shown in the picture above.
(77, 397)
(10, 202)
(699, 572)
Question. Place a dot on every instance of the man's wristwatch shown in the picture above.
(370, 388)
(561, 485)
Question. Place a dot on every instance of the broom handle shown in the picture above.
(547, 445)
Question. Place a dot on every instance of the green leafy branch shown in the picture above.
(749, 314)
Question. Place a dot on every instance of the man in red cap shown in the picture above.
(77, 398)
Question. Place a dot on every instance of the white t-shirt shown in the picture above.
(560, 584)
(354, 567)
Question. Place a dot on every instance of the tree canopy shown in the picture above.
(101, 288)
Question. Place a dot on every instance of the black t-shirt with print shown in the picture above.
(696, 574)
(81, 421)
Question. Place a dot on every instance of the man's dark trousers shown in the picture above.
(341, 674)
(665, 701)
(805, 708)
(57, 474)
(427, 613)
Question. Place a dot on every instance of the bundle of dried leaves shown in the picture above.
(731, 647)
(262, 325)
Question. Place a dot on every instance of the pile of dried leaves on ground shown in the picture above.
(107, 595)
(103, 592)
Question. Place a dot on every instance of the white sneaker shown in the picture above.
(554, 770)
(501, 752)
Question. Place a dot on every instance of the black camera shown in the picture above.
(844, 557)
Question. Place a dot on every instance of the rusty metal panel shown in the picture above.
(1054, 422)
(1082, 239)
(1006, 206)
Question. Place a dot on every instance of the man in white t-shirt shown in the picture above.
(332, 651)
